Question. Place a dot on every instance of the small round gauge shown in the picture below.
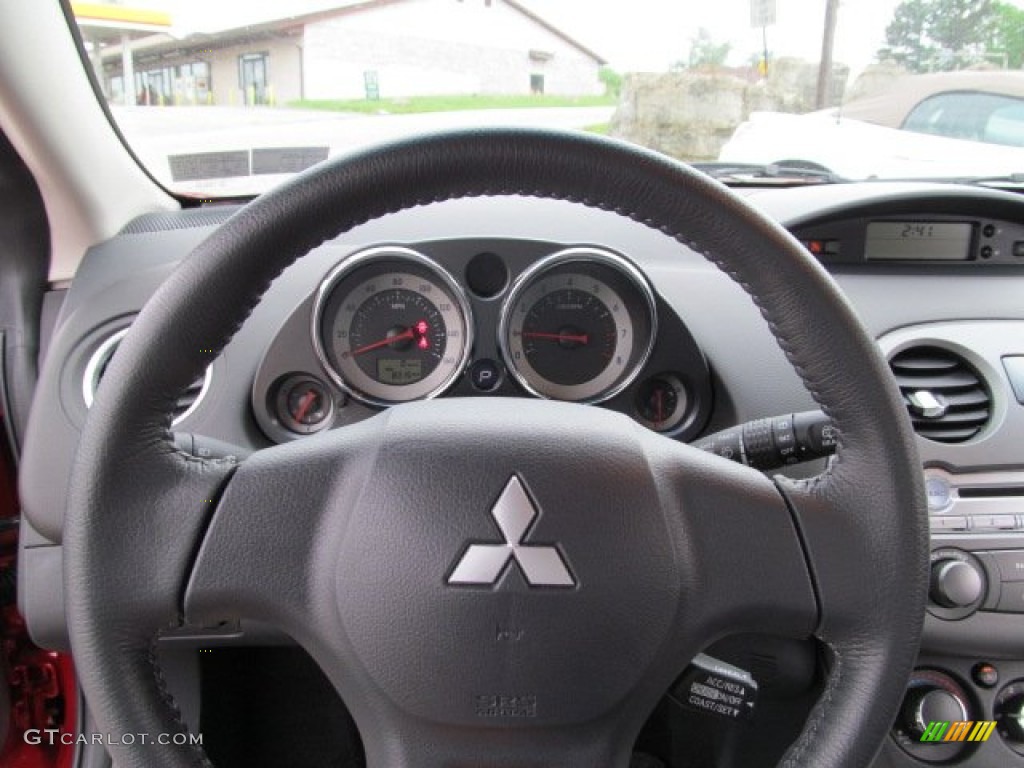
(578, 325)
(390, 325)
(661, 402)
(303, 404)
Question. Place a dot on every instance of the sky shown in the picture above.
(650, 35)
(642, 35)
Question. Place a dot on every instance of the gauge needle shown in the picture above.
(659, 406)
(578, 338)
(304, 405)
(406, 334)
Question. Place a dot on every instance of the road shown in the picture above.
(158, 132)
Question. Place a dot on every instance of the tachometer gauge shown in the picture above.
(578, 325)
(390, 325)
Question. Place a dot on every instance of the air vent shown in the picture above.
(100, 360)
(946, 397)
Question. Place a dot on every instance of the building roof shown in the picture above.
(555, 30)
(168, 45)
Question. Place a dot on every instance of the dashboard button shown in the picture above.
(985, 675)
(938, 491)
(948, 523)
(993, 522)
(485, 375)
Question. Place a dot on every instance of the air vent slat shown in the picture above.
(952, 380)
(948, 435)
(928, 363)
(966, 399)
(947, 398)
(956, 417)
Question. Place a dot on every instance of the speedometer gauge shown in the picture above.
(578, 325)
(390, 325)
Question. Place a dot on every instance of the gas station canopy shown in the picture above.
(104, 25)
(109, 23)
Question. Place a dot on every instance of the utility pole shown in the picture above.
(824, 92)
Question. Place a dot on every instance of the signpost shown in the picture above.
(762, 14)
(371, 85)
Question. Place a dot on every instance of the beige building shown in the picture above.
(354, 50)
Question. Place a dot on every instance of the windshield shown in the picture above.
(229, 98)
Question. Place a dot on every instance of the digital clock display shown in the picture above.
(918, 241)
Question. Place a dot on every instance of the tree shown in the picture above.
(1008, 34)
(705, 53)
(612, 81)
(929, 35)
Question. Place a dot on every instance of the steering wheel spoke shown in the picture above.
(741, 550)
(263, 554)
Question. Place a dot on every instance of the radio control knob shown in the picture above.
(934, 705)
(956, 583)
(1011, 719)
(934, 701)
(1009, 714)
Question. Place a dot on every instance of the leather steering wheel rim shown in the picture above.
(138, 502)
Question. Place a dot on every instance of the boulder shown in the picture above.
(692, 113)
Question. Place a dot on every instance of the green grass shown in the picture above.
(601, 129)
(418, 104)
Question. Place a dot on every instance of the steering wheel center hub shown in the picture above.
(527, 579)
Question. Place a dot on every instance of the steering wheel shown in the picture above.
(644, 550)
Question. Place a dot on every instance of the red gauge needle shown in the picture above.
(304, 405)
(578, 338)
(406, 334)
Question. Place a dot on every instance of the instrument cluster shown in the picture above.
(395, 323)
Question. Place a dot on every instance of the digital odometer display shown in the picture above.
(918, 241)
(397, 371)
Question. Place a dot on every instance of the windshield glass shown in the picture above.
(228, 98)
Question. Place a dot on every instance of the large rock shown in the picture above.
(683, 114)
(691, 114)
(793, 85)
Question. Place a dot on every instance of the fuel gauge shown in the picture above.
(661, 402)
(304, 404)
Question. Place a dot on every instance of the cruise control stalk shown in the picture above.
(775, 442)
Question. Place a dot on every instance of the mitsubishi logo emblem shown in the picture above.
(541, 564)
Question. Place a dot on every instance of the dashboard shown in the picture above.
(516, 297)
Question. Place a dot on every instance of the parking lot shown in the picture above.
(159, 132)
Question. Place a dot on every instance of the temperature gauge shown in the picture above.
(304, 405)
(661, 402)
